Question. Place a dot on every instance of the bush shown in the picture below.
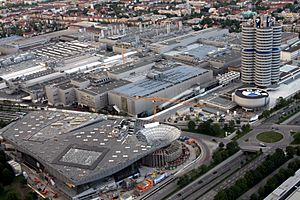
(11, 195)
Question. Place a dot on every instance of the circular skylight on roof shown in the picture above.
(159, 135)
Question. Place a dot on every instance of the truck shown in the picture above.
(145, 185)
(159, 178)
(190, 141)
(183, 138)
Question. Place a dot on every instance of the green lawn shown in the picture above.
(269, 137)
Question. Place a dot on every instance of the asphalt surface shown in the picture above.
(275, 117)
(205, 181)
(194, 191)
(230, 181)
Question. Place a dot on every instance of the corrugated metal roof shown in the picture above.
(171, 77)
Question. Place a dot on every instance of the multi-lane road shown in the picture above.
(203, 184)
(206, 187)
(168, 186)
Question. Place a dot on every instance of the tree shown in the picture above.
(266, 113)
(231, 126)
(221, 145)
(297, 150)
(290, 151)
(191, 125)
(31, 196)
(11, 195)
(207, 21)
(7, 176)
(261, 191)
(221, 196)
(253, 197)
(246, 128)
(232, 147)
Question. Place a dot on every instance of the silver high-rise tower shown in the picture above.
(261, 40)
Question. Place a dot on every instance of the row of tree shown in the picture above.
(221, 154)
(273, 182)
(253, 177)
(280, 103)
(213, 129)
(232, 25)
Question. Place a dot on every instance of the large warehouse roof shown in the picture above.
(168, 78)
(81, 147)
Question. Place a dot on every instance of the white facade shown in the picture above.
(290, 54)
(251, 98)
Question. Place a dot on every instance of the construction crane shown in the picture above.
(161, 99)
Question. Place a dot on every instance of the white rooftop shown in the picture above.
(287, 68)
(284, 90)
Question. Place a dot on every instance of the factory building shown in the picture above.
(166, 84)
(261, 40)
(87, 90)
(219, 63)
(187, 39)
(129, 69)
(18, 43)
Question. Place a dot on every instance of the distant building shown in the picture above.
(290, 53)
(261, 40)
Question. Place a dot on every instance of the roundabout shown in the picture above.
(269, 137)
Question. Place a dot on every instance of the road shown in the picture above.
(275, 117)
(210, 189)
(200, 137)
(230, 181)
(168, 185)
(226, 167)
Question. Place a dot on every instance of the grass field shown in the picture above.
(269, 137)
